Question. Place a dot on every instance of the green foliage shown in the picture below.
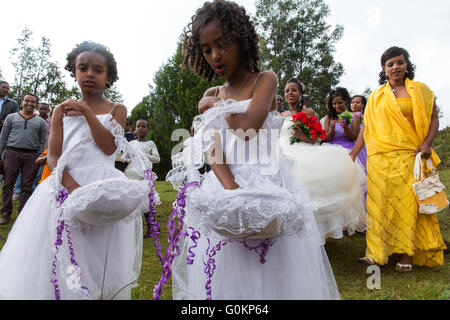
(171, 104)
(296, 41)
(36, 73)
(113, 94)
(441, 146)
(438, 108)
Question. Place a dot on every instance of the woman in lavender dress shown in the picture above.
(357, 106)
(339, 130)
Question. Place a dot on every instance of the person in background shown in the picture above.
(129, 135)
(400, 120)
(279, 103)
(339, 130)
(7, 105)
(150, 150)
(44, 111)
(120, 163)
(23, 140)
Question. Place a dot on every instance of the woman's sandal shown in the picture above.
(403, 268)
(367, 261)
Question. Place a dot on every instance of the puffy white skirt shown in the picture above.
(109, 256)
(295, 269)
(296, 265)
(335, 184)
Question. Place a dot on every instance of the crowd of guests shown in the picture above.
(237, 208)
(25, 131)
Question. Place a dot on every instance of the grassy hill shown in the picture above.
(441, 146)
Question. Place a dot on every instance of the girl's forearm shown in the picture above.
(350, 134)
(299, 134)
(433, 128)
(224, 175)
(68, 181)
(102, 137)
(359, 144)
(221, 169)
(330, 135)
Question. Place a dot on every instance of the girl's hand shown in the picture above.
(206, 102)
(342, 122)
(231, 186)
(425, 149)
(299, 134)
(333, 124)
(41, 160)
(78, 107)
(72, 187)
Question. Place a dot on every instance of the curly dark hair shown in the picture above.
(236, 26)
(336, 92)
(363, 100)
(391, 53)
(301, 88)
(93, 47)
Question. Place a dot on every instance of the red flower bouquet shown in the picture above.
(310, 126)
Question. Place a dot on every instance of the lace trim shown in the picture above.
(138, 164)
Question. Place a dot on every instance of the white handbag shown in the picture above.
(430, 192)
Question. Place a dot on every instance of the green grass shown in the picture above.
(441, 146)
(422, 283)
(351, 277)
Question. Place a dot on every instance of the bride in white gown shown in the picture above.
(335, 183)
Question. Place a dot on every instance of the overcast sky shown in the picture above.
(143, 34)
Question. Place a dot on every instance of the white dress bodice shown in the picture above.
(75, 129)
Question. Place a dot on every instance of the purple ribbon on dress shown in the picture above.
(151, 221)
(210, 264)
(60, 198)
(175, 231)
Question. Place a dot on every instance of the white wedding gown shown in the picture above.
(296, 265)
(92, 261)
(335, 183)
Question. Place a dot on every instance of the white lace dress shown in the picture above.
(269, 210)
(51, 254)
(335, 183)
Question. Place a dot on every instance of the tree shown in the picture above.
(24, 64)
(296, 41)
(37, 74)
(438, 108)
(113, 94)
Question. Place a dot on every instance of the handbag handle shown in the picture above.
(418, 167)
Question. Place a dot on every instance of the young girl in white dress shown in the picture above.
(149, 149)
(335, 184)
(80, 234)
(258, 238)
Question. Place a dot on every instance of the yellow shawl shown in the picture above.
(386, 129)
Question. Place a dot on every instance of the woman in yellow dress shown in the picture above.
(400, 121)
